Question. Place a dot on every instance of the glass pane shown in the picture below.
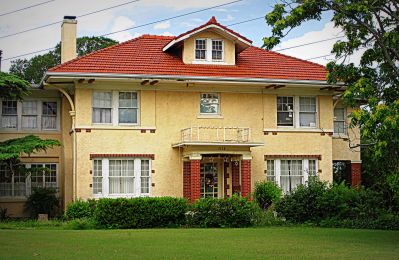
(339, 114)
(29, 108)
(312, 168)
(339, 127)
(128, 99)
(102, 115)
(49, 108)
(285, 104)
(285, 119)
(307, 119)
(49, 122)
(5, 182)
(9, 107)
(209, 103)
(29, 122)
(102, 99)
(128, 115)
(307, 104)
(9, 121)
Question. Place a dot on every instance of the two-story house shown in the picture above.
(203, 114)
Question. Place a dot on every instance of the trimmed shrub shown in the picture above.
(80, 209)
(266, 193)
(140, 212)
(229, 212)
(42, 201)
(303, 204)
(82, 223)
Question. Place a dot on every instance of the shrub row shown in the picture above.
(163, 212)
(336, 206)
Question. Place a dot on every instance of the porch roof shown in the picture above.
(199, 143)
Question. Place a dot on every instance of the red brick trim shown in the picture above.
(143, 131)
(88, 130)
(235, 174)
(187, 180)
(195, 191)
(277, 156)
(78, 130)
(152, 131)
(245, 177)
(126, 155)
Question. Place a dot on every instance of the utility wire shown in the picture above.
(57, 22)
(134, 27)
(27, 7)
(309, 43)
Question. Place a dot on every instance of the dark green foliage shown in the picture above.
(266, 193)
(33, 70)
(80, 209)
(229, 212)
(140, 212)
(82, 224)
(304, 204)
(12, 87)
(42, 201)
(336, 206)
(13, 148)
(3, 214)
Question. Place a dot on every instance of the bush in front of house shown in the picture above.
(140, 212)
(266, 193)
(228, 212)
(42, 201)
(80, 209)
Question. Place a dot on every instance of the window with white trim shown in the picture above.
(217, 50)
(210, 104)
(209, 50)
(20, 184)
(200, 49)
(297, 111)
(30, 115)
(339, 121)
(289, 173)
(115, 107)
(121, 177)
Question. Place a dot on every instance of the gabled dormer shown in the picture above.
(210, 43)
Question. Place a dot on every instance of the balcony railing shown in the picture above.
(216, 134)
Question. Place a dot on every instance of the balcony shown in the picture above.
(213, 135)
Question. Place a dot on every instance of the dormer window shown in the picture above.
(200, 49)
(209, 50)
(217, 50)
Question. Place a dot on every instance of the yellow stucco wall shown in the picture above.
(189, 47)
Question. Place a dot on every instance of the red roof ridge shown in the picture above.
(215, 22)
(110, 47)
(292, 57)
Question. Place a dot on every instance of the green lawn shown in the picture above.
(285, 242)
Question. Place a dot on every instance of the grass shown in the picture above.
(273, 242)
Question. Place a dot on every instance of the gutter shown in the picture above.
(185, 78)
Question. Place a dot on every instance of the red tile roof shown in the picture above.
(144, 55)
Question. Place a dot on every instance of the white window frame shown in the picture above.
(28, 181)
(39, 128)
(345, 132)
(296, 112)
(115, 108)
(208, 52)
(218, 113)
(206, 49)
(305, 168)
(137, 178)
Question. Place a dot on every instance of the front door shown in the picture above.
(209, 180)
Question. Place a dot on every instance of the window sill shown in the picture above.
(298, 130)
(340, 136)
(116, 127)
(203, 116)
(209, 62)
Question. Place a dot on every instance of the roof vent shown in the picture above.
(70, 17)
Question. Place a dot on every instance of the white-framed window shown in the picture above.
(339, 120)
(209, 50)
(217, 50)
(116, 107)
(200, 49)
(297, 111)
(102, 107)
(210, 104)
(30, 114)
(20, 184)
(289, 173)
(128, 108)
(124, 177)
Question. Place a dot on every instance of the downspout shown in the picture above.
(72, 113)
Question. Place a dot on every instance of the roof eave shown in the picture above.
(186, 78)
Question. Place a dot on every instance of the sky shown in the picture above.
(136, 13)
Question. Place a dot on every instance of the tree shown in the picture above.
(372, 26)
(12, 87)
(33, 70)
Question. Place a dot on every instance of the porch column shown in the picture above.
(246, 175)
(187, 180)
(195, 192)
(356, 173)
(235, 177)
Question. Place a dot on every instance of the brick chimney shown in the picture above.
(68, 38)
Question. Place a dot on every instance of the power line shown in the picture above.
(172, 17)
(246, 21)
(309, 43)
(134, 27)
(28, 7)
(57, 22)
